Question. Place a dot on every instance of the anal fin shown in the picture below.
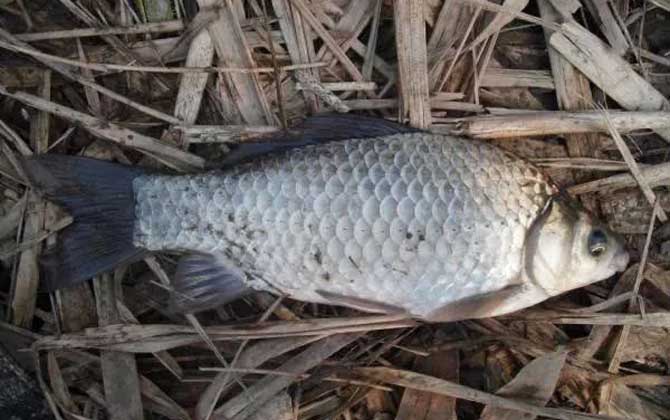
(205, 281)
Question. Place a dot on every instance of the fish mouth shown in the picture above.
(621, 260)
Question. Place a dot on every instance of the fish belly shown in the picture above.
(410, 220)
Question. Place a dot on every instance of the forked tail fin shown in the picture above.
(99, 196)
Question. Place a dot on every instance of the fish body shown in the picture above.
(438, 227)
(414, 220)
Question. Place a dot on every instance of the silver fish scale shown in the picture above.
(413, 220)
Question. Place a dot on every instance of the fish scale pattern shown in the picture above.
(413, 220)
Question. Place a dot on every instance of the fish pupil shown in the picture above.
(597, 242)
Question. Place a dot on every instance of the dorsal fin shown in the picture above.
(318, 129)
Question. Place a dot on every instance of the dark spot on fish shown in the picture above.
(390, 267)
(317, 256)
(236, 247)
(130, 136)
(354, 263)
(400, 271)
(408, 235)
(326, 276)
(231, 218)
(422, 237)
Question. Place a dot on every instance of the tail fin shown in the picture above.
(99, 196)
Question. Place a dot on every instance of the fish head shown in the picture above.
(566, 248)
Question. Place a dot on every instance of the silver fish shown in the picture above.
(437, 227)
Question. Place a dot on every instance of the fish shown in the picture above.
(344, 210)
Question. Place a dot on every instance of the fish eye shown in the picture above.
(597, 243)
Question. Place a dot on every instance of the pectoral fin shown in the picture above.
(361, 304)
(499, 302)
(205, 281)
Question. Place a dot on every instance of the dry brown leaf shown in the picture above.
(535, 383)
(232, 49)
(151, 338)
(158, 401)
(261, 392)
(58, 385)
(606, 69)
(10, 221)
(119, 370)
(278, 408)
(544, 123)
(427, 383)
(607, 22)
(113, 132)
(410, 34)
(663, 4)
(628, 211)
(253, 357)
(573, 89)
(24, 295)
(501, 19)
(646, 344)
(616, 399)
(425, 405)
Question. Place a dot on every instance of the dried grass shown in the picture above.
(115, 81)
